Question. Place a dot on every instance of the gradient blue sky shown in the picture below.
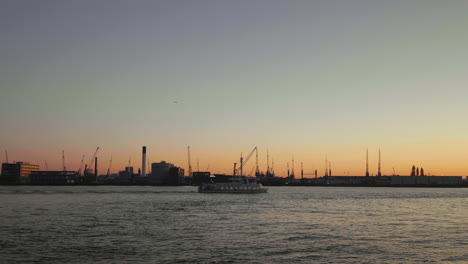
(303, 78)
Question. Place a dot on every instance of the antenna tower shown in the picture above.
(367, 162)
(379, 174)
(63, 161)
(292, 169)
(302, 171)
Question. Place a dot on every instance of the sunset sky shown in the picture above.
(307, 79)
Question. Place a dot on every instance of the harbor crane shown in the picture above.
(257, 170)
(90, 167)
(244, 161)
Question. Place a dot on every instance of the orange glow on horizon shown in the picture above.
(345, 160)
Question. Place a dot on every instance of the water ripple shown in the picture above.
(125, 224)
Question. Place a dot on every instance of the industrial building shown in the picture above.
(17, 173)
(176, 176)
(129, 170)
(164, 173)
(426, 180)
(124, 177)
(357, 180)
(53, 177)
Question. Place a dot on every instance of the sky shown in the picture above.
(303, 79)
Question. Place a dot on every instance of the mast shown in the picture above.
(268, 163)
(326, 166)
(367, 162)
(379, 173)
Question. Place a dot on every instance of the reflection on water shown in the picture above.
(287, 224)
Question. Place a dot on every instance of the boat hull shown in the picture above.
(232, 191)
(231, 188)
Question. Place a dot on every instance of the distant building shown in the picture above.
(164, 173)
(141, 180)
(358, 180)
(160, 172)
(17, 173)
(122, 178)
(176, 176)
(53, 177)
(426, 180)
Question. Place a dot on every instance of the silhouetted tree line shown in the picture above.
(417, 172)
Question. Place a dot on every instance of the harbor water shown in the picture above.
(144, 224)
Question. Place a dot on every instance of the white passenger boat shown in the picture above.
(226, 187)
(238, 185)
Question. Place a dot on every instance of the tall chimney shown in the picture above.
(143, 162)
